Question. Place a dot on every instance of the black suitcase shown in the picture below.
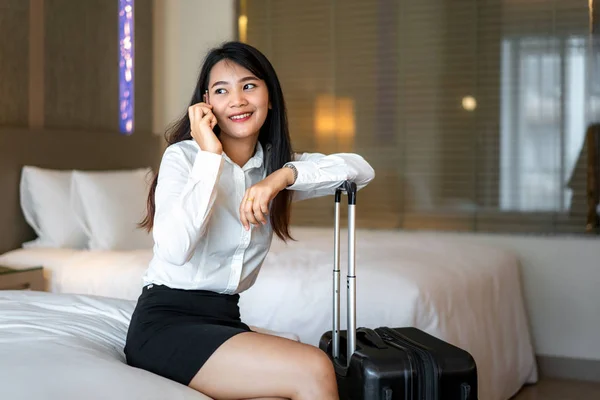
(389, 363)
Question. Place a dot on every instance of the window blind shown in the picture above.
(473, 113)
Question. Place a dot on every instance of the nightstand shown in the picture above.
(22, 279)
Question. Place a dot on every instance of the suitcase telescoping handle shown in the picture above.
(350, 189)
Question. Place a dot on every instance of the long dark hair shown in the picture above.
(274, 133)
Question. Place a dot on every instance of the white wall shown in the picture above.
(184, 30)
(561, 280)
(561, 276)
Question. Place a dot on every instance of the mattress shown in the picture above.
(467, 294)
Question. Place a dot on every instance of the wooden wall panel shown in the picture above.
(81, 64)
(143, 26)
(79, 51)
(14, 60)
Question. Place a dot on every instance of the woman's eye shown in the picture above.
(249, 86)
(219, 91)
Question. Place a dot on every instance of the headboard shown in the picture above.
(62, 149)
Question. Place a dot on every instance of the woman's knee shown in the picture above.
(323, 364)
(319, 371)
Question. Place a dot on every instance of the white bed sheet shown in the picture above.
(70, 347)
(467, 294)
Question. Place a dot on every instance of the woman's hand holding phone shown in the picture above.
(202, 122)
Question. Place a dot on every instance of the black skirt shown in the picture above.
(173, 332)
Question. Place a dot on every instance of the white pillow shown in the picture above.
(45, 201)
(109, 205)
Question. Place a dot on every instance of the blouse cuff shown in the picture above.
(206, 166)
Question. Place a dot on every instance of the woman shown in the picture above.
(225, 185)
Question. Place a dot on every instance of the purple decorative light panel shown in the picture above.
(126, 66)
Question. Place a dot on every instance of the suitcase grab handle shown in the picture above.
(351, 189)
(371, 337)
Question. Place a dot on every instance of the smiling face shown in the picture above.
(240, 100)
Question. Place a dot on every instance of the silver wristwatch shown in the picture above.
(295, 171)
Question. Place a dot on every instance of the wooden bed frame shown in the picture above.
(62, 149)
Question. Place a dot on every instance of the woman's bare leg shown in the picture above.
(252, 366)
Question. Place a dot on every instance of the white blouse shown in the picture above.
(199, 240)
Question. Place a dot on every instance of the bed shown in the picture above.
(467, 294)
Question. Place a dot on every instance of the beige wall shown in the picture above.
(184, 30)
(561, 277)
